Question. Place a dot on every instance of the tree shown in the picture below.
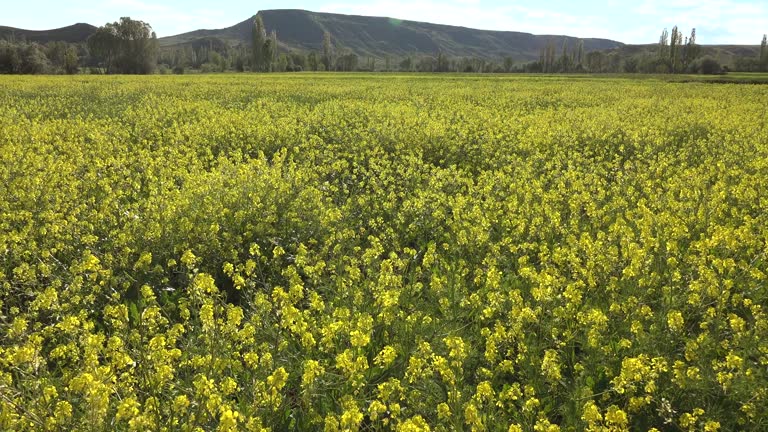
(747, 64)
(764, 53)
(138, 47)
(63, 57)
(103, 44)
(406, 65)
(663, 45)
(674, 45)
(710, 66)
(269, 53)
(564, 63)
(509, 63)
(217, 61)
(126, 46)
(10, 60)
(327, 59)
(442, 62)
(548, 57)
(239, 64)
(299, 61)
(426, 64)
(596, 61)
(275, 48)
(631, 65)
(147, 54)
(33, 60)
(71, 60)
(312, 61)
(693, 49)
(347, 62)
(258, 39)
(281, 63)
(264, 49)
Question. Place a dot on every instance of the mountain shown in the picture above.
(74, 34)
(379, 37)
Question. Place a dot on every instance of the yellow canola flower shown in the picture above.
(675, 321)
(387, 355)
(399, 252)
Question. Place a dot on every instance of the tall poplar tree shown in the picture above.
(693, 49)
(259, 39)
(580, 54)
(673, 48)
(548, 55)
(663, 44)
(275, 51)
(327, 51)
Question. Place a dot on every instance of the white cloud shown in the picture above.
(720, 22)
(165, 20)
(716, 21)
(470, 13)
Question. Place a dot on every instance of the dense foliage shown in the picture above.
(126, 47)
(34, 58)
(347, 252)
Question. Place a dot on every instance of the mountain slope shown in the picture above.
(74, 34)
(377, 36)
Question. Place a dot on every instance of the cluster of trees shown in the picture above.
(21, 57)
(754, 64)
(674, 55)
(445, 63)
(208, 57)
(212, 57)
(568, 61)
(266, 57)
(264, 49)
(574, 60)
(126, 46)
(261, 55)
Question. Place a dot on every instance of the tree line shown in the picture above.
(22, 57)
(673, 54)
(131, 47)
(126, 47)
(751, 64)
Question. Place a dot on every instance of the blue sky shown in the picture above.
(641, 21)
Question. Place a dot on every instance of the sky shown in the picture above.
(640, 21)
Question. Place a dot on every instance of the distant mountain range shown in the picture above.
(301, 30)
(73, 34)
(379, 37)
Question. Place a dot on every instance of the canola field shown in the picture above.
(382, 252)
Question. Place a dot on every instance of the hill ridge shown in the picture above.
(302, 30)
(75, 33)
